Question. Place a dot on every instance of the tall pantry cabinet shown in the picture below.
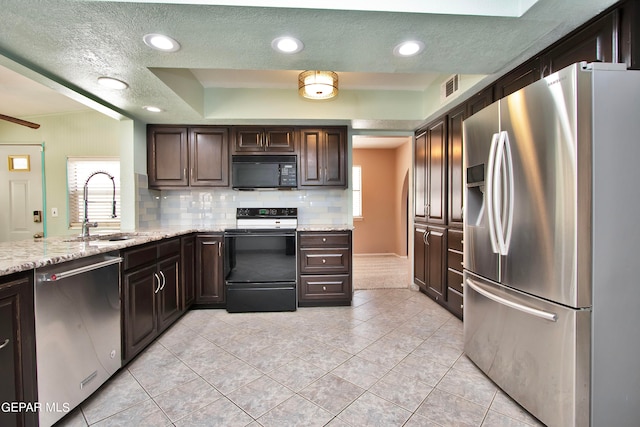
(438, 207)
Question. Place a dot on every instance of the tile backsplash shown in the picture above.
(216, 207)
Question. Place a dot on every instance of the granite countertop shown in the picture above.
(25, 255)
(35, 253)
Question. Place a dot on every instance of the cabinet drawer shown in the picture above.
(324, 287)
(454, 279)
(324, 240)
(168, 247)
(455, 239)
(455, 302)
(139, 256)
(454, 260)
(324, 261)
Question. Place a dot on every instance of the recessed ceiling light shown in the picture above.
(161, 42)
(112, 83)
(408, 48)
(287, 45)
(152, 109)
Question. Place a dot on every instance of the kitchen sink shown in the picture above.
(104, 238)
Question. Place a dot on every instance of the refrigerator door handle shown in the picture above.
(552, 317)
(489, 202)
(503, 157)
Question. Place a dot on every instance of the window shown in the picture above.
(100, 192)
(357, 191)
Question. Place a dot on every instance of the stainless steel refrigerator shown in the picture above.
(551, 245)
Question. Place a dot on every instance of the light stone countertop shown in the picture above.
(25, 255)
(35, 253)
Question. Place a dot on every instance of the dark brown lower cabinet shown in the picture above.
(324, 267)
(188, 254)
(209, 267)
(151, 293)
(454, 272)
(430, 245)
(17, 349)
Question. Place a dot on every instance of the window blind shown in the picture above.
(357, 191)
(99, 193)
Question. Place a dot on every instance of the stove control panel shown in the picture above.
(267, 213)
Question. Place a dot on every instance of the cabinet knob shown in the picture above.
(324, 239)
(324, 288)
(324, 261)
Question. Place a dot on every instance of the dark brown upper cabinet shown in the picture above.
(181, 156)
(431, 173)
(595, 43)
(256, 140)
(323, 158)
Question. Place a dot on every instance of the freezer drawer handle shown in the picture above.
(552, 317)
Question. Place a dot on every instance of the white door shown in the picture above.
(20, 192)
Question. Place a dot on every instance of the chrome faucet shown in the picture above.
(86, 224)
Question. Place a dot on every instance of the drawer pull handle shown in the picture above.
(4, 344)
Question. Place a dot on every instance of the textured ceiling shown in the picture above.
(226, 49)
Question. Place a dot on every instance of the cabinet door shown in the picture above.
(209, 270)
(595, 43)
(188, 255)
(209, 157)
(454, 153)
(140, 312)
(437, 172)
(435, 263)
(478, 101)
(515, 80)
(310, 170)
(420, 257)
(248, 139)
(279, 139)
(167, 156)
(169, 304)
(420, 176)
(17, 350)
(335, 158)
(323, 157)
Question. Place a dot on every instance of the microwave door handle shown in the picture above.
(489, 196)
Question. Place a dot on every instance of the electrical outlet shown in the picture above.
(54, 212)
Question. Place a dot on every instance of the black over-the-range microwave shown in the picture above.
(264, 172)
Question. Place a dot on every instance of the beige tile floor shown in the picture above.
(394, 358)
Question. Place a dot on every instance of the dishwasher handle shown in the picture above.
(53, 277)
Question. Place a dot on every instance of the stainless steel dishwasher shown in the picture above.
(78, 335)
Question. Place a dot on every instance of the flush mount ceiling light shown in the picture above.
(112, 83)
(152, 109)
(287, 45)
(161, 42)
(318, 84)
(408, 48)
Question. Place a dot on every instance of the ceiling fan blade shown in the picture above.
(19, 121)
